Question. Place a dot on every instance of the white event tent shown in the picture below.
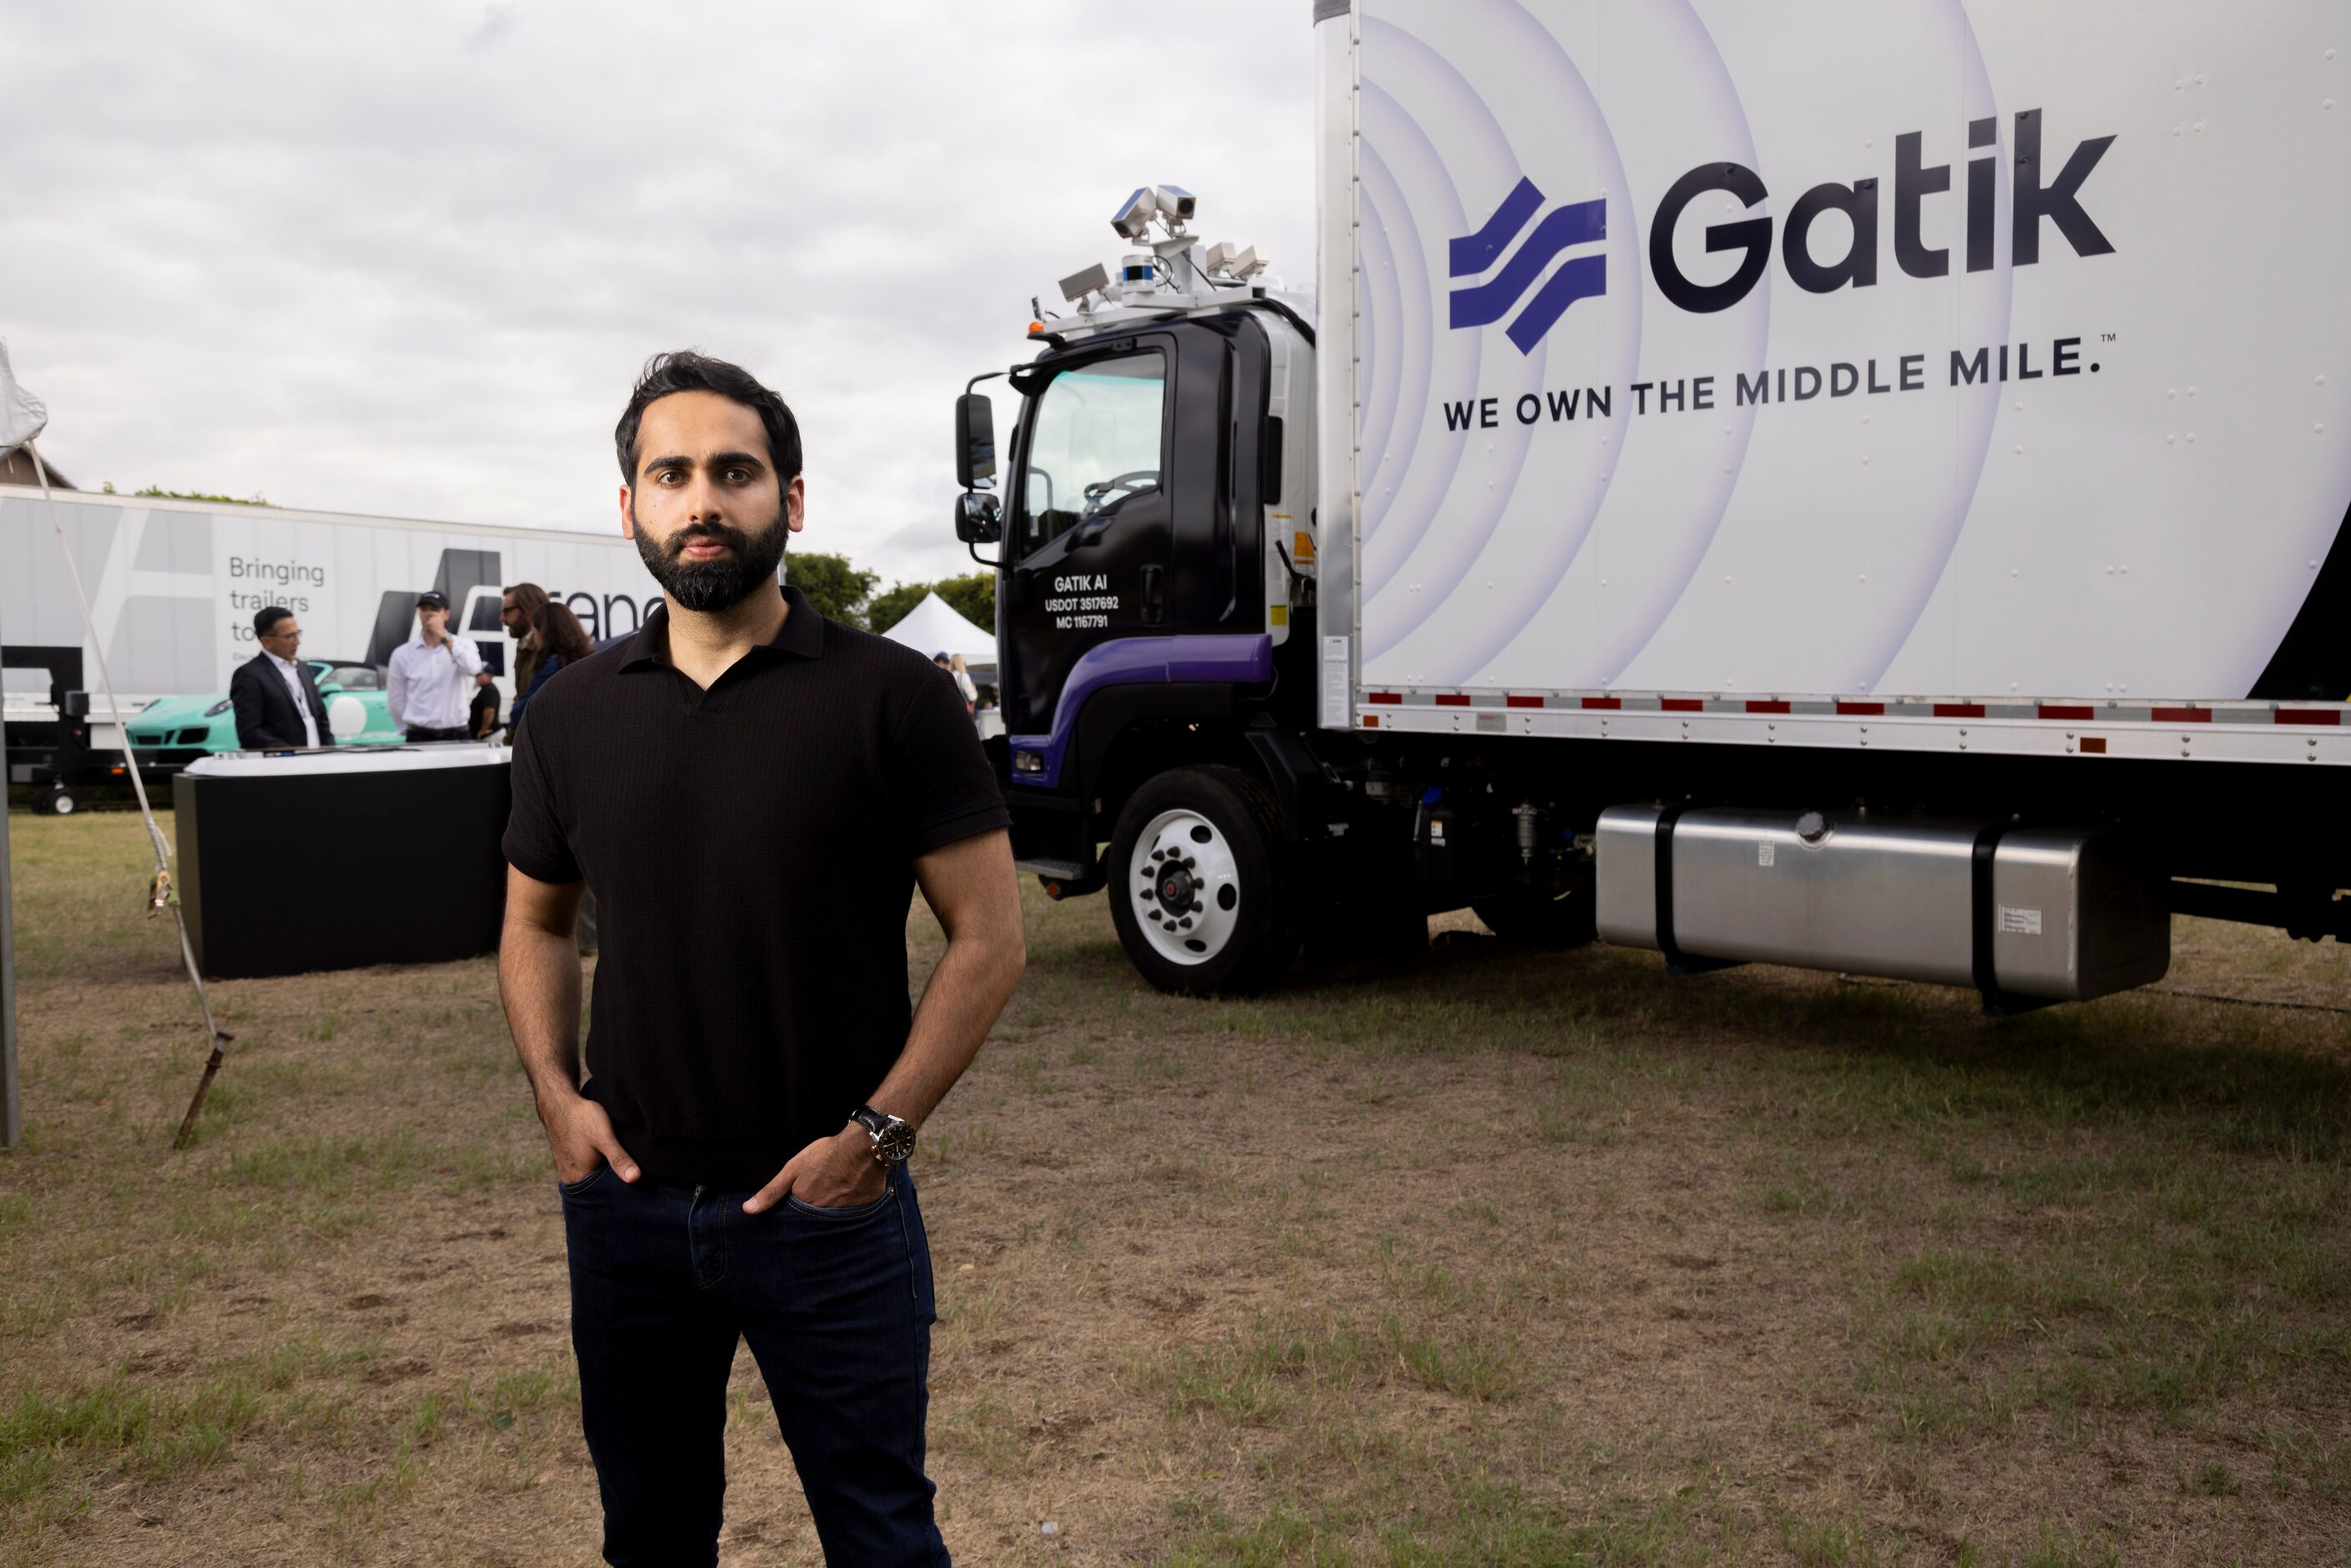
(933, 627)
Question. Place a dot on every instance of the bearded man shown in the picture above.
(752, 792)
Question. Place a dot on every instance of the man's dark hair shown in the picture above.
(262, 620)
(688, 370)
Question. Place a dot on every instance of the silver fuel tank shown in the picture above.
(2025, 914)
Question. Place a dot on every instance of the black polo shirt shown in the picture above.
(751, 848)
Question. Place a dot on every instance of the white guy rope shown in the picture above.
(160, 893)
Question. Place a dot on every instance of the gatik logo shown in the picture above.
(1583, 278)
(2034, 199)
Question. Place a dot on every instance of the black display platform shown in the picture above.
(342, 859)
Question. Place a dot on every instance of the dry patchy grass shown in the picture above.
(1481, 1258)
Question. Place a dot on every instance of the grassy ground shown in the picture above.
(1480, 1258)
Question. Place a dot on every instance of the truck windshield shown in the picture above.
(1095, 445)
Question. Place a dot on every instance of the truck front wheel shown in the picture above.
(1198, 884)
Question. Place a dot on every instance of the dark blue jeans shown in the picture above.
(837, 1308)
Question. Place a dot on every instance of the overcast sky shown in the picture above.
(407, 259)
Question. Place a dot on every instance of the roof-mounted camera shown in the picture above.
(1171, 206)
(1239, 263)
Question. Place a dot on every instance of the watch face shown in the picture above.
(895, 1141)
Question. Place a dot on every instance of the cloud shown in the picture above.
(407, 259)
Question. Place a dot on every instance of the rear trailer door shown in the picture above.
(1815, 362)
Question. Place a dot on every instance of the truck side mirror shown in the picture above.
(974, 441)
(979, 518)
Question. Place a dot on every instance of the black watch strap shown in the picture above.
(894, 1137)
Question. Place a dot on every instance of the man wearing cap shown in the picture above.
(432, 676)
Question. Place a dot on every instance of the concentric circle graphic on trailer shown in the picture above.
(1891, 353)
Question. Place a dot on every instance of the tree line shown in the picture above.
(842, 592)
(159, 493)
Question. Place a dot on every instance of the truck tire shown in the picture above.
(1531, 918)
(1199, 884)
(55, 802)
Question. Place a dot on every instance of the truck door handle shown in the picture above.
(1154, 595)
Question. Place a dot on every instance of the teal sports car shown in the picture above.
(172, 732)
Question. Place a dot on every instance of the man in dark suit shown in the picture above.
(276, 695)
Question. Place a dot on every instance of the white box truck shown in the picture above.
(173, 586)
(1836, 483)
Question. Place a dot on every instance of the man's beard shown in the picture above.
(709, 586)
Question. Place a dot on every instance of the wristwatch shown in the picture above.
(893, 1136)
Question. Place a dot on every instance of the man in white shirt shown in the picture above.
(433, 675)
(277, 696)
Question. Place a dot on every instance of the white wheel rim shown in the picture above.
(1185, 887)
(64, 806)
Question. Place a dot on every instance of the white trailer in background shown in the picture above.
(173, 586)
(1896, 454)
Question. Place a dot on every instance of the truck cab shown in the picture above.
(1154, 524)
